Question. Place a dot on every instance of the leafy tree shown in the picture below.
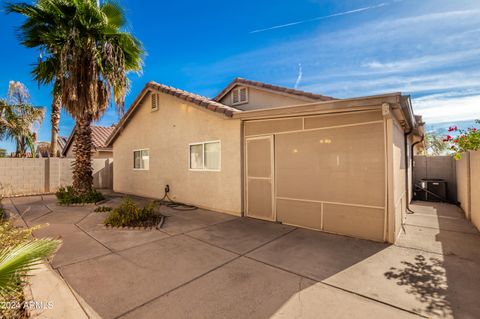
(18, 118)
(435, 145)
(94, 54)
(3, 152)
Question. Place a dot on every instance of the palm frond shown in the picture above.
(22, 258)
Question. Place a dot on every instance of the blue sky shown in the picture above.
(429, 49)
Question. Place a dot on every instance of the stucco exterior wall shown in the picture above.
(258, 99)
(167, 133)
(475, 188)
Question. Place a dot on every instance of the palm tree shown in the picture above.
(47, 71)
(94, 53)
(18, 118)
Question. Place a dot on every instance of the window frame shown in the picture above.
(239, 88)
(140, 150)
(203, 158)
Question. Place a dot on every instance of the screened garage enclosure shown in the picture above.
(342, 171)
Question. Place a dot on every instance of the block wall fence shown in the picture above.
(29, 176)
(468, 182)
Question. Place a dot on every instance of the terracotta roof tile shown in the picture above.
(277, 88)
(193, 98)
(100, 135)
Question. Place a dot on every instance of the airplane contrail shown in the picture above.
(299, 77)
(383, 4)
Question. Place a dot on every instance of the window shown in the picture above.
(239, 95)
(205, 156)
(141, 159)
(155, 101)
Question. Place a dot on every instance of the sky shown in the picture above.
(429, 49)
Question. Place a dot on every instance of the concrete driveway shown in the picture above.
(204, 264)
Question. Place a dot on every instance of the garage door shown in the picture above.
(259, 178)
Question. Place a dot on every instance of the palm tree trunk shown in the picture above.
(82, 171)
(56, 106)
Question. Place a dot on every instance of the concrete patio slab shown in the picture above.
(50, 291)
(464, 245)
(71, 216)
(119, 239)
(179, 222)
(426, 283)
(439, 216)
(444, 223)
(76, 246)
(29, 214)
(93, 221)
(315, 254)
(117, 283)
(248, 289)
(241, 235)
(26, 200)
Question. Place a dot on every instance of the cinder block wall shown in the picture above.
(27, 176)
(22, 175)
(468, 181)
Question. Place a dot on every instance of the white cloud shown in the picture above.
(437, 108)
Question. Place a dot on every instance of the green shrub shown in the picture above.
(67, 196)
(129, 214)
(101, 209)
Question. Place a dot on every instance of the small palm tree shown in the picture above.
(94, 53)
(47, 71)
(16, 261)
(18, 118)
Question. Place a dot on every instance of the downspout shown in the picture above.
(412, 162)
(407, 162)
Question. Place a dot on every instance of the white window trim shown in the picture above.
(238, 88)
(141, 149)
(203, 160)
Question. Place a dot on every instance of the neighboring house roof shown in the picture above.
(100, 135)
(199, 100)
(271, 87)
(62, 142)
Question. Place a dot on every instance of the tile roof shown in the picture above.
(100, 135)
(277, 88)
(194, 98)
(62, 141)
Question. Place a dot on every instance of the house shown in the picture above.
(273, 153)
(43, 148)
(100, 135)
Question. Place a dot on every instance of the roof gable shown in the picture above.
(272, 88)
(196, 99)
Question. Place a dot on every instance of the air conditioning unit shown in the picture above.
(433, 190)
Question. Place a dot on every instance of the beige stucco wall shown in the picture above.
(264, 99)
(475, 188)
(463, 183)
(167, 134)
